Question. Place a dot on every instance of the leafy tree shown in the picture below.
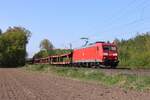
(135, 52)
(46, 49)
(41, 54)
(116, 41)
(13, 46)
(46, 45)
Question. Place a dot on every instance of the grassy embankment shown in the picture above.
(126, 81)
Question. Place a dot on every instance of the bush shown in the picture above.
(13, 46)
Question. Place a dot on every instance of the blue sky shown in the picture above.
(66, 21)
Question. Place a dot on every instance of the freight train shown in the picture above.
(94, 55)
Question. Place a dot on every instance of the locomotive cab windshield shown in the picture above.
(110, 50)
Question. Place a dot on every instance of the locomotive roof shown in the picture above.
(97, 43)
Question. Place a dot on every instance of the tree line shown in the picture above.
(135, 52)
(48, 49)
(13, 46)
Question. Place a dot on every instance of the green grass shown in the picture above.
(95, 75)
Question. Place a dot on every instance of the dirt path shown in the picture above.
(16, 84)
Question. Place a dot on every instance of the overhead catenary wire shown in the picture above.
(109, 27)
(123, 11)
(120, 11)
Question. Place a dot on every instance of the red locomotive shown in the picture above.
(97, 54)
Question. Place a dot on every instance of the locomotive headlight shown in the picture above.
(115, 54)
(105, 54)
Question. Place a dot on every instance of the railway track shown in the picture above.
(120, 70)
(138, 72)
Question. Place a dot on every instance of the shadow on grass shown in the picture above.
(11, 66)
(96, 67)
(115, 68)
